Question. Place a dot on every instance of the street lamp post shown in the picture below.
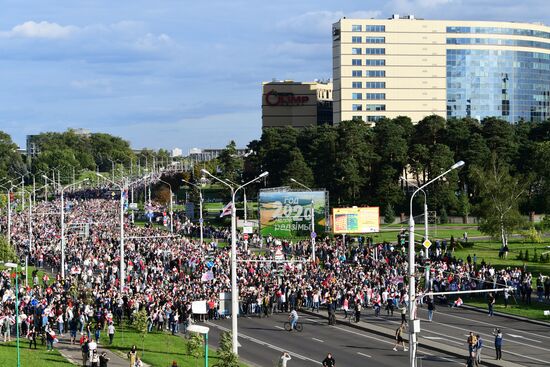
(8, 200)
(14, 266)
(122, 275)
(200, 207)
(413, 325)
(234, 289)
(171, 207)
(63, 224)
(312, 220)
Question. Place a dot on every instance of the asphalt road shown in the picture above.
(263, 341)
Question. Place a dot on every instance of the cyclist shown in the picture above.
(329, 361)
(293, 318)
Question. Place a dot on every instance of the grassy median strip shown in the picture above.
(30, 357)
(159, 349)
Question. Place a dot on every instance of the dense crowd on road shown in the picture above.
(165, 273)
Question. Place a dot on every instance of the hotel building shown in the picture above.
(415, 67)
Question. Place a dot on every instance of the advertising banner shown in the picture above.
(356, 220)
(287, 214)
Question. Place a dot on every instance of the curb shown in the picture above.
(431, 346)
(506, 315)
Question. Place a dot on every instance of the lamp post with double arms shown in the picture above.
(171, 206)
(122, 271)
(234, 288)
(413, 325)
(63, 224)
(312, 219)
(200, 207)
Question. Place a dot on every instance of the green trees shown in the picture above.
(230, 163)
(360, 165)
(500, 195)
(10, 160)
(7, 252)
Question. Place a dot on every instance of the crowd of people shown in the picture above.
(165, 273)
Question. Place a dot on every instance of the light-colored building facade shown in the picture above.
(414, 67)
(296, 104)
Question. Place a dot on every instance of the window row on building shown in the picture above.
(359, 39)
(368, 107)
(368, 62)
(368, 51)
(368, 118)
(369, 73)
(368, 28)
(496, 30)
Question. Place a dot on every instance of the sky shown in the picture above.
(180, 73)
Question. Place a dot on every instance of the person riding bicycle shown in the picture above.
(293, 318)
(329, 361)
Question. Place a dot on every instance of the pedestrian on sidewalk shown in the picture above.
(498, 343)
(479, 347)
(399, 338)
(103, 359)
(85, 349)
(95, 358)
(111, 332)
(490, 303)
(431, 309)
(132, 354)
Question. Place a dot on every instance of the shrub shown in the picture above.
(443, 218)
(520, 255)
(194, 346)
(465, 244)
(225, 352)
(531, 235)
(526, 257)
(535, 257)
(389, 214)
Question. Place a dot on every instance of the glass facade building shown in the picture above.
(450, 68)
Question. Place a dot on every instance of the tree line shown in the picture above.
(507, 165)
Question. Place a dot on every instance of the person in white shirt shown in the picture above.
(111, 332)
(284, 359)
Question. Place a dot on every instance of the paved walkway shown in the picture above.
(74, 355)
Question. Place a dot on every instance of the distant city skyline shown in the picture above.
(180, 74)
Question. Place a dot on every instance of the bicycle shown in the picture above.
(299, 327)
(351, 318)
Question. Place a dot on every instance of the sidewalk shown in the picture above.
(74, 355)
(422, 342)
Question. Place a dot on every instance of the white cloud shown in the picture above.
(320, 22)
(32, 29)
(151, 41)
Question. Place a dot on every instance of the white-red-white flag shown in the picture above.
(227, 209)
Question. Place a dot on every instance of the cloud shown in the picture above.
(319, 23)
(32, 29)
(153, 42)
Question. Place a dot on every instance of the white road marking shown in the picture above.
(279, 327)
(271, 346)
(319, 340)
(364, 355)
(491, 324)
(432, 337)
(522, 337)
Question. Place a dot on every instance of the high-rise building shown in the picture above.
(296, 104)
(415, 67)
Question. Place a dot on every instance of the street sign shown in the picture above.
(313, 234)
(248, 230)
(200, 220)
(245, 236)
(427, 244)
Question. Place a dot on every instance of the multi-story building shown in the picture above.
(205, 155)
(415, 67)
(296, 104)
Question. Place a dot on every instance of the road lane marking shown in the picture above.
(364, 355)
(271, 346)
(279, 327)
(319, 340)
(492, 325)
(432, 337)
(522, 337)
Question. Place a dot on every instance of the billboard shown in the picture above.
(287, 214)
(356, 220)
